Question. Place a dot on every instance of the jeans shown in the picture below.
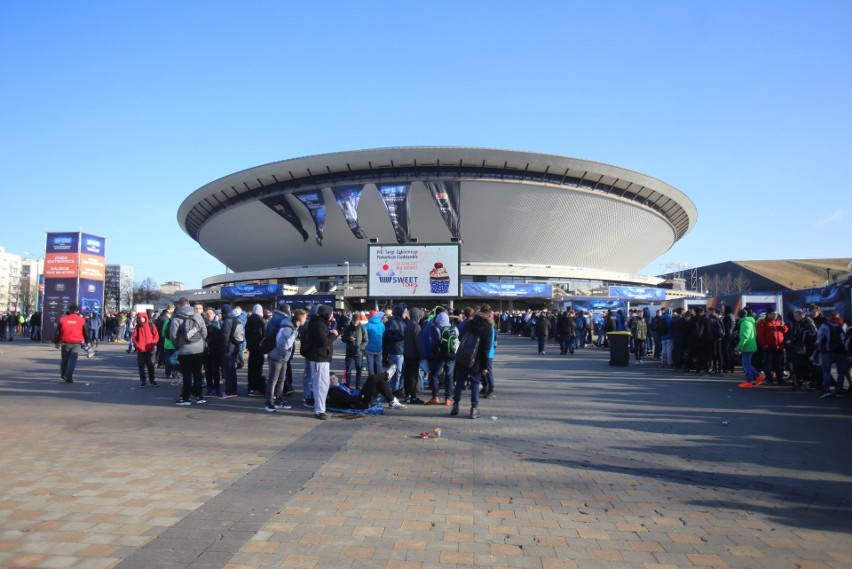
(70, 352)
(445, 367)
(566, 344)
(190, 368)
(275, 381)
(357, 362)
(666, 353)
(374, 363)
(772, 363)
(308, 383)
(145, 361)
(462, 375)
(396, 380)
(319, 373)
(229, 372)
(842, 363)
(750, 372)
(489, 377)
(541, 344)
(213, 373)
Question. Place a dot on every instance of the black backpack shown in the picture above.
(467, 351)
(836, 339)
(448, 341)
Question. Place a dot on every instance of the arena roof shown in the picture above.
(433, 162)
(626, 219)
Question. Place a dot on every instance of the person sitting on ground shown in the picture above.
(341, 397)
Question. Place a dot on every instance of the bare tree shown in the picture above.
(26, 297)
(145, 292)
(718, 285)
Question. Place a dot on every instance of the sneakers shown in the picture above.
(746, 385)
(474, 412)
(270, 409)
(826, 394)
(434, 401)
(154, 383)
(253, 393)
(455, 410)
(395, 404)
(143, 385)
(283, 406)
(323, 416)
(448, 401)
(309, 403)
(760, 379)
(68, 380)
(200, 401)
(227, 396)
(183, 402)
(417, 401)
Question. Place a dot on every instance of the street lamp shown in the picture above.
(347, 275)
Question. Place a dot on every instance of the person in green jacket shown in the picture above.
(748, 346)
(169, 348)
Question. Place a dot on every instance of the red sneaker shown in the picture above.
(760, 379)
(433, 401)
(448, 402)
(746, 385)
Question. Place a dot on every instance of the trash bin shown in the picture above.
(619, 348)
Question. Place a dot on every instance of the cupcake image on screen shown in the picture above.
(439, 279)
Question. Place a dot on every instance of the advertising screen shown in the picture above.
(414, 271)
(508, 290)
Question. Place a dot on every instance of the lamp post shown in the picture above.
(346, 287)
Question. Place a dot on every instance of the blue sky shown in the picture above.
(113, 112)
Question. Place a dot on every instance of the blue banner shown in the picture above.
(598, 304)
(313, 200)
(250, 291)
(395, 197)
(508, 290)
(827, 298)
(638, 293)
(282, 207)
(347, 198)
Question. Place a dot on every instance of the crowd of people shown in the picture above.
(405, 354)
(801, 348)
(17, 324)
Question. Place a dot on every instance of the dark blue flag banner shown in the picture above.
(446, 195)
(313, 200)
(282, 207)
(347, 198)
(395, 197)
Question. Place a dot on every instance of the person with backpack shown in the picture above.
(355, 338)
(188, 332)
(233, 334)
(442, 358)
(833, 342)
(394, 344)
(472, 358)
(639, 331)
(771, 332)
(145, 338)
(279, 357)
(254, 336)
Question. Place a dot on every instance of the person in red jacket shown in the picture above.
(771, 331)
(70, 334)
(145, 338)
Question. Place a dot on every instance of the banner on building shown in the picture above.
(446, 195)
(282, 207)
(250, 291)
(315, 203)
(638, 293)
(305, 301)
(347, 198)
(395, 197)
(507, 290)
(827, 298)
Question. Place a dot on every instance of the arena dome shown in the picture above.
(509, 209)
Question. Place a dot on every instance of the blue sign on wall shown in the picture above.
(508, 290)
(637, 293)
(251, 291)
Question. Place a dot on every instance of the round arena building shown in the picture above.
(519, 217)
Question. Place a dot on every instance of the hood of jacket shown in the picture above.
(375, 319)
(415, 314)
(398, 310)
(185, 311)
(442, 320)
(257, 309)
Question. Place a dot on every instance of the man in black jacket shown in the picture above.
(481, 326)
(317, 348)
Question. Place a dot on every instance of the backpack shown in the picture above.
(660, 326)
(836, 339)
(268, 343)
(394, 331)
(189, 332)
(467, 351)
(448, 341)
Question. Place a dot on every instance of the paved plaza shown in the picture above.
(573, 465)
